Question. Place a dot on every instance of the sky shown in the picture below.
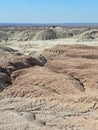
(48, 11)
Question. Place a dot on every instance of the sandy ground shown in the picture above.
(32, 47)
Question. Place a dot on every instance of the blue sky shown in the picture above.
(48, 11)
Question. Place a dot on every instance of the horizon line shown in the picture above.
(49, 24)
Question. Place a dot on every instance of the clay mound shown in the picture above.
(80, 61)
(4, 81)
(89, 35)
(11, 62)
(3, 35)
(45, 35)
(6, 35)
(5, 49)
(61, 32)
(38, 81)
(75, 51)
(77, 31)
(66, 34)
(26, 35)
(59, 29)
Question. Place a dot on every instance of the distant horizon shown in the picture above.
(51, 24)
(48, 23)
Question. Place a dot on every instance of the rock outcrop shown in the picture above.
(39, 82)
(80, 61)
(48, 33)
(11, 62)
(45, 35)
(5, 49)
(89, 35)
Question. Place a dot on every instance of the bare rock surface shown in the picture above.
(56, 90)
(62, 95)
(89, 35)
(38, 81)
(25, 35)
(79, 61)
(5, 49)
(4, 81)
(58, 113)
(45, 35)
(11, 62)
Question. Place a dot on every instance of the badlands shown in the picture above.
(48, 78)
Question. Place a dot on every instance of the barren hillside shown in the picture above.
(49, 84)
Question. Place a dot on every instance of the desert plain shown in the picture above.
(48, 78)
